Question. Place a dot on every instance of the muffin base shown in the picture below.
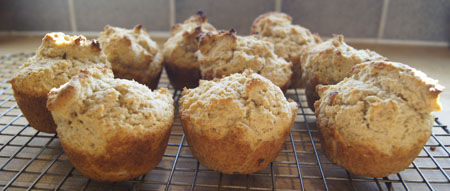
(126, 157)
(296, 79)
(363, 159)
(34, 108)
(311, 94)
(285, 87)
(232, 154)
(181, 77)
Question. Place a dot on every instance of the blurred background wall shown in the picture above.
(422, 21)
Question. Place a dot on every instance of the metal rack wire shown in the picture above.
(34, 160)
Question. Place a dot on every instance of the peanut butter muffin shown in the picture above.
(377, 121)
(236, 124)
(289, 40)
(133, 54)
(180, 61)
(223, 53)
(111, 129)
(330, 62)
(58, 58)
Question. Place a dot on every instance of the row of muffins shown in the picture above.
(116, 129)
(245, 109)
(373, 115)
(312, 62)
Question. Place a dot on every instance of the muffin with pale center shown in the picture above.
(111, 129)
(236, 124)
(375, 122)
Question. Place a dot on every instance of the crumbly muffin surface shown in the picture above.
(224, 53)
(131, 50)
(98, 106)
(247, 101)
(376, 122)
(289, 40)
(331, 61)
(58, 58)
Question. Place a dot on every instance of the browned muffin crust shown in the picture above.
(137, 156)
(236, 158)
(35, 111)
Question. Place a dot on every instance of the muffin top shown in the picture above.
(331, 61)
(182, 44)
(93, 107)
(245, 102)
(131, 49)
(418, 90)
(58, 58)
(199, 19)
(384, 105)
(223, 53)
(289, 40)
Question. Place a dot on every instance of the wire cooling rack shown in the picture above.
(34, 160)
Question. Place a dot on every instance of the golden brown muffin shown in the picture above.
(180, 61)
(111, 129)
(58, 59)
(223, 53)
(330, 62)
(377, 121)
(236, 124)
(133, 54)
(289, 40)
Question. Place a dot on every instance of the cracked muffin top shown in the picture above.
(131, 50)
(289, 39)
(182, 44)
(58, 58)
(223, 53)
(331, 61)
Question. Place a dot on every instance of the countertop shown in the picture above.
(434, 61)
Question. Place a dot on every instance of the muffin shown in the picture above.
(330, 62)
(236, 124)
(58, 58)
(377, 121)
(132, 54)
(111, 129)
(289, 40)
(223, 53)
(180, 61)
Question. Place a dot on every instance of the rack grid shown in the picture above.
(35, 160)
